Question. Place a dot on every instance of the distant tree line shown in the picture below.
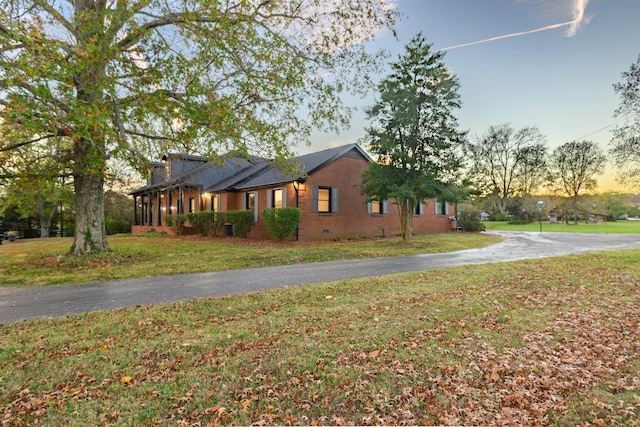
(507, 163)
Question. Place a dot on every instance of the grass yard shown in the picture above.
(621, 227)
(38, 262)
(527, 343)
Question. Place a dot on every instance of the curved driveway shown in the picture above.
(53, 301)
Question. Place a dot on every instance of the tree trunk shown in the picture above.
(45, 220)
(406, 220)
(575, 209)
(44, 226)
(91, 233)
(502, 204)
(89, 166)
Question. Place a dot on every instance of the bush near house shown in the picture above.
(207, 223)
(210, 223)
(281, 222)
(470, 221)
(241, 220)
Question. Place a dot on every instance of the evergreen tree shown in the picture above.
(414, 134)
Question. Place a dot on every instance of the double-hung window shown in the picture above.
(277, 198)
(324, 199)
(250, 202)
(215, 202)
(377, 207)
(442, 208)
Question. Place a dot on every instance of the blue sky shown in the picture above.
(544, 63)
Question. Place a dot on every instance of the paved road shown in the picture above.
(18, 304)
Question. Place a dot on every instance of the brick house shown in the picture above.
(328, 194)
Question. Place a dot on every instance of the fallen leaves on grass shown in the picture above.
(83, 262)
(530, 347)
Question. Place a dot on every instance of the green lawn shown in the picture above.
(37, 262)
(537, 342)
(624, 227)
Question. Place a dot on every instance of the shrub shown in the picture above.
(281, 222)
(116, 226)
(207, 223)
(499, 217)
(470, 221)
(176, 223)
(241, 220)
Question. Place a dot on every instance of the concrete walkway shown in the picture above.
(18, 304)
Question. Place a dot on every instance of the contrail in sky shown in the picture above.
(507, 36)
(577, 10)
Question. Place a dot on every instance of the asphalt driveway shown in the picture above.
(18, 304)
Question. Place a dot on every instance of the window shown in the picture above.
(377, 207)
(192, 204)
(442, 208)
(250, 201)
(277, 198)
(215, 202)
(419, 210)
(324, 200)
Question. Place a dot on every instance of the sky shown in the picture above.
(545, 63)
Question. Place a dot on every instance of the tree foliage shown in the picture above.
(625, 145)
(574, 166)
(506, 162)
(120, 79)
(414, 133)
(35, 183)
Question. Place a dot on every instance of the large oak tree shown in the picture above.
(111, 78)
(414, 133)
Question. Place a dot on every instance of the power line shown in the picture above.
(606, 127)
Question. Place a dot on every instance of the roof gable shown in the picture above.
(307, 165)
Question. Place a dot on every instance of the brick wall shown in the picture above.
(352, 220)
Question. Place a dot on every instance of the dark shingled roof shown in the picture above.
(237, 173)
(207, 172)
(307, 164)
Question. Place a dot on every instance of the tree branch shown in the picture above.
(24, 143)
(55, 14)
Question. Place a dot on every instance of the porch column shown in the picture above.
(159, 206)
(135, 210)
(145, 207)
